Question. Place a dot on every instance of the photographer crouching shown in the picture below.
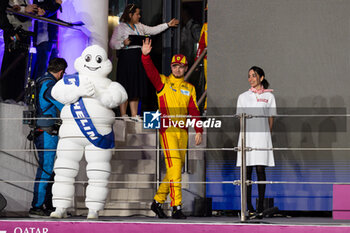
(46, 137)
(17, 41)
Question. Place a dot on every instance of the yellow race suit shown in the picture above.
(175, 97)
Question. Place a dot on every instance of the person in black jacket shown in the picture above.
(4, 22)
(46, 38)
(14, 63)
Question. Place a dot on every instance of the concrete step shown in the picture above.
(122, 208)
(118, 213)
(121, 128)
(131, 127)
(117, 208)
(139, 155)
(132, 194)
(113, 204)
(132, 205)
(139, 181)
(132, 166)
(142, 139)
(127, 213)
(137, 128)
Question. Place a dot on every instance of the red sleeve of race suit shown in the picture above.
(152, 72)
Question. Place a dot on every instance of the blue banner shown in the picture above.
(82, 118)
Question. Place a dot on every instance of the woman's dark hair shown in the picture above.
(260, 72)
(56, 65)
(130, 8)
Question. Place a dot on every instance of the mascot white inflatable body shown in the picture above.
(87, 121)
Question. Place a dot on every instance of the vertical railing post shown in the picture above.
(243, 167)
(186, 170)
(157, 159)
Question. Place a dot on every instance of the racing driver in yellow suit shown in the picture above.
(175, 97)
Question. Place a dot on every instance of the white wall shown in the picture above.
(303, 46)
(15, 165)
(94, 14)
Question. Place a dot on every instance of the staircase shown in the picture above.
(134, 169)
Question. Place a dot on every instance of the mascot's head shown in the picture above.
(93, 61)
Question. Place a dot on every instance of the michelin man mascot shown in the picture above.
(87, 127)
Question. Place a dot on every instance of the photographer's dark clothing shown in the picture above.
(15, 59)
(46, 39)
(13, 71)
(4, 22)
(51, 8)
(45, 51)
(47, 107)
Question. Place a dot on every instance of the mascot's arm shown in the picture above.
(68, 94)
(113, 96)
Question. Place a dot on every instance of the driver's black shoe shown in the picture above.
(177, 213)
(157, 209)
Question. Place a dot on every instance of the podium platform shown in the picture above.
(341, 201)
(222, 224)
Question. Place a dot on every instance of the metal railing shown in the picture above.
(195, 64)
(44, 19)
(242, 147)
(243, 170)
(192, 69)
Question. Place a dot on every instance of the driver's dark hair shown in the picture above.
(56, 65)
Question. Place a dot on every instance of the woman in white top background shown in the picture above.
(130, 72)
(257, 101)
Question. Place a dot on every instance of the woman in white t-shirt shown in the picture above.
(257, 101)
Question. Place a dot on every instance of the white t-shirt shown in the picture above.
(122, 31)
(257, 128)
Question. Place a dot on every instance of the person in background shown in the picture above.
(175, 97)
(130, 73)
(14, 63)
(257, 101)
(46, 36)
(46, 137)
(190, 32)
(202, 44)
